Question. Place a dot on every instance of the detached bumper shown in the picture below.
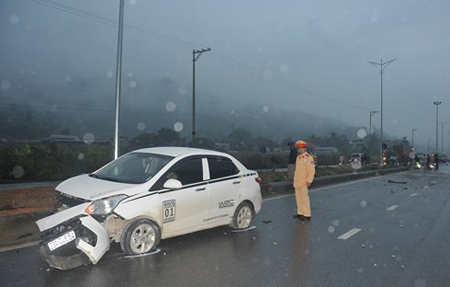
(74, 242)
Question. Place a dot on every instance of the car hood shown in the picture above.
(90, 188)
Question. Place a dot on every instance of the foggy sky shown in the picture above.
(308, 56)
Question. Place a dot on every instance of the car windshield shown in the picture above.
(133, 168)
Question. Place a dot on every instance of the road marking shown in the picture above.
(413, 194)
(349, 234)
(392, 207)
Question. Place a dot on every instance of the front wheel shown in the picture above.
(140, 236)
(243, 216)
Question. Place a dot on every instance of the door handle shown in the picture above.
(237, 182)
(200, 189)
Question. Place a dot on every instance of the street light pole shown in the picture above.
(412, 138)
(381, 66)
(371, 113)
(442, 136)
(428, 151)
(437, 103)
(195, 56)
(118, 80)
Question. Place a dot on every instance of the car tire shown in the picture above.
(140, 236)
(243, 216)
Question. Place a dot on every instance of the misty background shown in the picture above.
(277, 68)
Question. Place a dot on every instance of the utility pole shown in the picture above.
(381, 66)
(195, 56)
(371, 113)
(412, 137)
(118, 80)
(428, 151)
(442, 136)
(437, 103)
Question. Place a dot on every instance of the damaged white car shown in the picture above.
(144, 196)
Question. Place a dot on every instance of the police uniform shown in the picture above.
(304, 173)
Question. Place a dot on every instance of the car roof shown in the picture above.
(177, 151)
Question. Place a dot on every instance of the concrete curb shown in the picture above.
(286, 187)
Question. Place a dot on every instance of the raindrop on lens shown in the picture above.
(171, 106)
(178, 126)
(361, 133)
(89, 138)
(363, 203)
(109, 74)
(266, 109)
(80, 156)
(141, 126)
(335, 222)
(132, 84)
(18, 171)
(331, 229)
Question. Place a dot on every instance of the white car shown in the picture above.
(144, 196)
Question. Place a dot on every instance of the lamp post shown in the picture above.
(118, 80)
(371, 113)
(381, 66)
(412, 137)
(437, 103)
(195, 56)
(428, 151)
(442, 136)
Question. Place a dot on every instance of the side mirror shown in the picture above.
(172, 184)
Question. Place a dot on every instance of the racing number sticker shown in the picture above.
(169, 210)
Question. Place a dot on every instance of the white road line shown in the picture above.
(392, 207)
(413, 194)
(349, 234)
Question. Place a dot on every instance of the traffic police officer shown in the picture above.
(303, 178)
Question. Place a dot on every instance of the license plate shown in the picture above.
(62, 240)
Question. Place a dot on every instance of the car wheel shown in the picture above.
(140, 236)
(242, 216)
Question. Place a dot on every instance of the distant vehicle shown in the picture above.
(359, 158)
(145, 196)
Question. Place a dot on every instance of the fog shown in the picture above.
(297, 61)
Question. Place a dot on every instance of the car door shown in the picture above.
(184, 210)
(224, 185)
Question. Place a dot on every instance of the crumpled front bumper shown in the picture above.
(88, 242)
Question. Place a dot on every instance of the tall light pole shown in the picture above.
(412, 137)
(371, 113)
(428, 151)
(381, 66)
(118, 80)
(437, 103)
(195, 56)
(442, 136)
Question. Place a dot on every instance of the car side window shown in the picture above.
(187, 171)
(221, 167)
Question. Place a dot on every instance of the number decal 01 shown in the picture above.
(169, 208)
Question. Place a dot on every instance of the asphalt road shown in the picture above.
(390, 230)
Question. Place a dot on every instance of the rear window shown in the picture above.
(221, 167)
